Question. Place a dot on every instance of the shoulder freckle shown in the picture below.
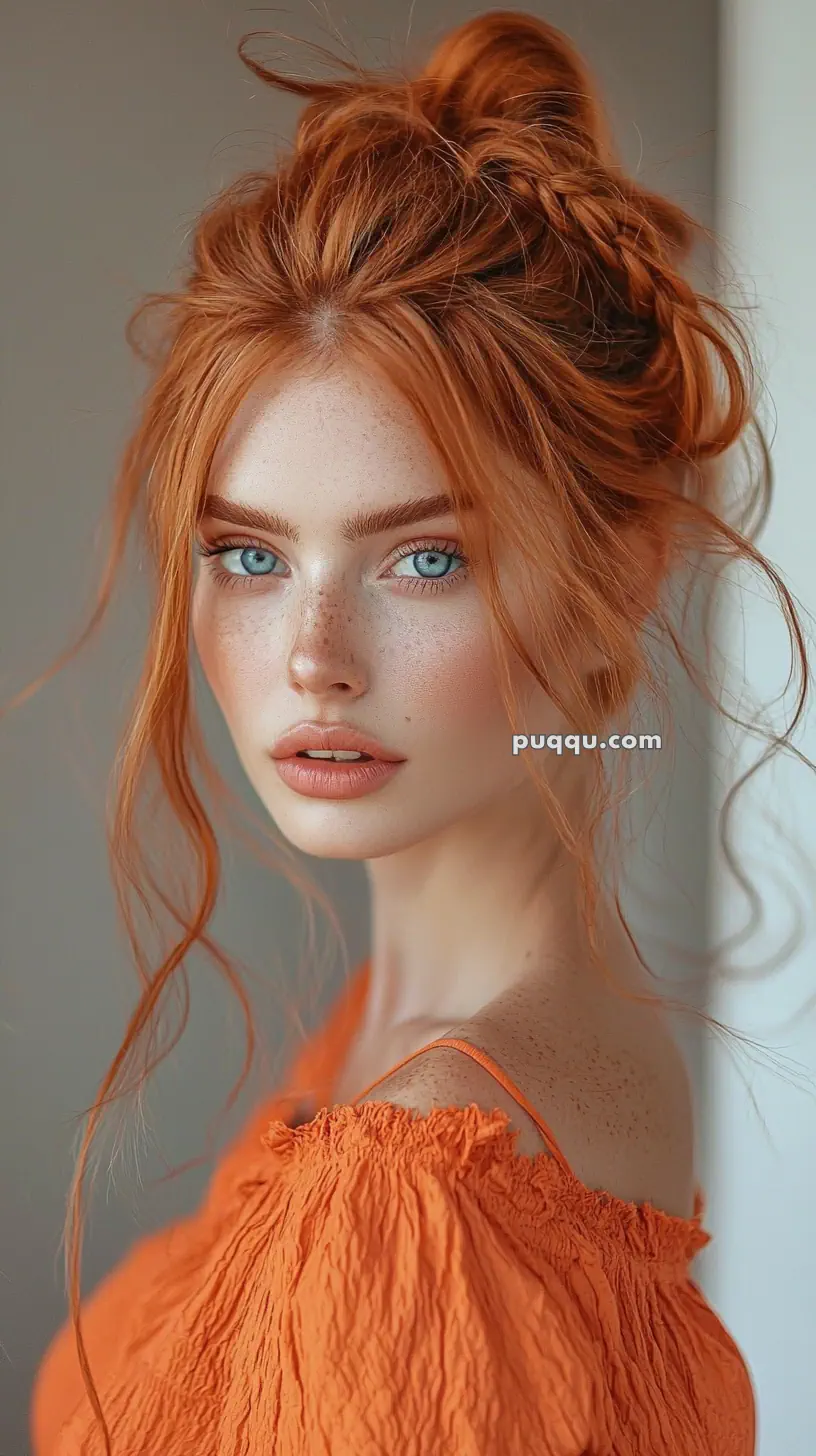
(622, 1115)
(444, 1077)
(637, 1138)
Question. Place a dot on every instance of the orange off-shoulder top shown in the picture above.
(375, 1283)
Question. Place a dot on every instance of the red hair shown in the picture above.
(470, 233)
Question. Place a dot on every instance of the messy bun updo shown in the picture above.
(470, 232)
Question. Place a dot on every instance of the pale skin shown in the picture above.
(475, 923)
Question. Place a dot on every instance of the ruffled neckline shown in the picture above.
(478, 1146)
(472, 1142)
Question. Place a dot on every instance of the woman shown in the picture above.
(435, 408)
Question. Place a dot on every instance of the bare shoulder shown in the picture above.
(608, 1078)
(444, 1077)
(619, 1107)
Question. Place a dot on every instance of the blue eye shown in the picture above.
(248, 557)
(430, 564)
(256, 561)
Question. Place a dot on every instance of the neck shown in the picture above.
(456, 921)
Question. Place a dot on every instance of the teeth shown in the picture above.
(342, 755)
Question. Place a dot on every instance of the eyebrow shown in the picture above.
(353, 528)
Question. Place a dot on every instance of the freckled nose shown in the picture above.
(322, 658)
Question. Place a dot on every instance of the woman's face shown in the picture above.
(319, 617)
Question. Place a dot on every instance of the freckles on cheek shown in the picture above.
(239, 660)
(452, 673)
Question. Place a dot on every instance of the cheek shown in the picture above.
(239, 659)
(446, 678)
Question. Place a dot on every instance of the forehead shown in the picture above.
(343, 434)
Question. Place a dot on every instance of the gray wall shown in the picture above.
(762, 1175)
(119, 121)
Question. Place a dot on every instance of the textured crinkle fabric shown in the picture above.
(375, 1282)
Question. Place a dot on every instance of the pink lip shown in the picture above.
(325, 779)
(322, 779)
(331, 737)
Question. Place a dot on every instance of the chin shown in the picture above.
(355, 830)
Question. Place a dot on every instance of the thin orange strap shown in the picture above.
(495, 1071)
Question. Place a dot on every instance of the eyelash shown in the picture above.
(413, 548)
